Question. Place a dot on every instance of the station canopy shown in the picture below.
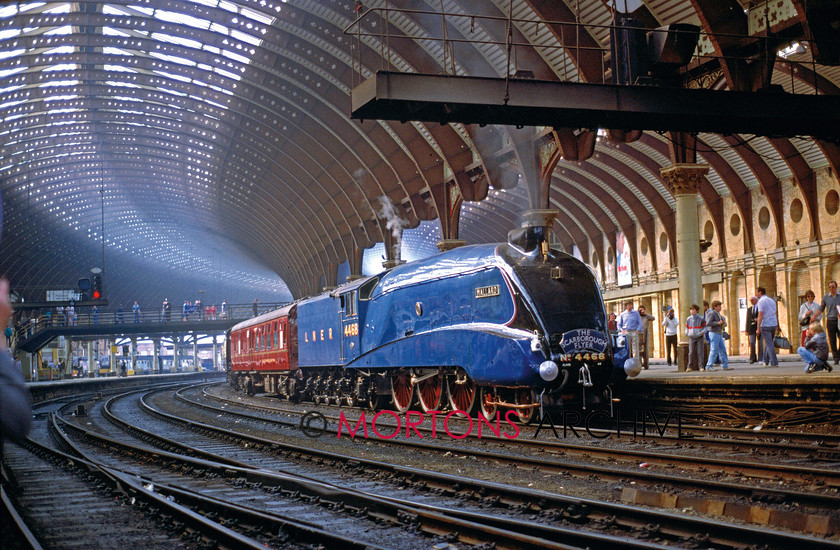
(206, 146)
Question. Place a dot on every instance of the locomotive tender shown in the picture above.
(482, 327)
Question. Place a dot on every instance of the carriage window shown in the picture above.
(276, 340)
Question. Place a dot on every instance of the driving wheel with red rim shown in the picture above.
(486, 408)
(461, 391)
(402, 391)
(430, 393)
(525, 396)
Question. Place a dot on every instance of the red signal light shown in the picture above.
(96, 295)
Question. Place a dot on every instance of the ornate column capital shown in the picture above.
(683, 179)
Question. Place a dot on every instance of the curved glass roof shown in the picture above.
(207, 143)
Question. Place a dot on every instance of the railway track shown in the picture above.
(765, 402)
(464, 526)
(235, 467)
(502, 452)
(627, 517)
(56, 495)
(770, 443)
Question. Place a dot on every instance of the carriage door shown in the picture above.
(349, 326)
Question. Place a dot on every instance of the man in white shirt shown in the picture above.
(672, 325)
(766, 326)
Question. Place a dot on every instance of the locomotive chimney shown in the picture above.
(535, 231)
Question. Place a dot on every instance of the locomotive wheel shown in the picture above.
(375, 401)
(525, 396)
(430, 393)
(462, 392)
(486, 395)
(402, 391)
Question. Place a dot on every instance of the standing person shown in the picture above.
(71, 314)
(716, 322)
(185, 310)
(15, 407)
(612, 325)
(119, 314)
(629, 323)
(213, 312)
(643, 335)
(815, 349)
(695, 330)
(199, 311)
(7, 332)
(672, 325)
(136, 309)
(224, 309)
(257, 307)
(830, 305)
(766, 326)
(167, 310)
(754, 339)
(806, 313)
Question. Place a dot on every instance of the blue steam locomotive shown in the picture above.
(481, 328)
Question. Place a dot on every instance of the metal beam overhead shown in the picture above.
(478, 100)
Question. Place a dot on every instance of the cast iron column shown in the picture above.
(683, 181)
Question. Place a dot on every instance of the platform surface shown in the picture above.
(791, 369)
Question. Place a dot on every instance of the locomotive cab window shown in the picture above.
(367, 289)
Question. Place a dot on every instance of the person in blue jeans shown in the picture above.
(815, 350)
(715, 323)
(767, 324)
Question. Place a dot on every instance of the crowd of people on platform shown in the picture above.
(708, 326)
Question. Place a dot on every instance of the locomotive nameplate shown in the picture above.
(583, 340)
(487, 291)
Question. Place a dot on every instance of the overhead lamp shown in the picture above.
(672, 46)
